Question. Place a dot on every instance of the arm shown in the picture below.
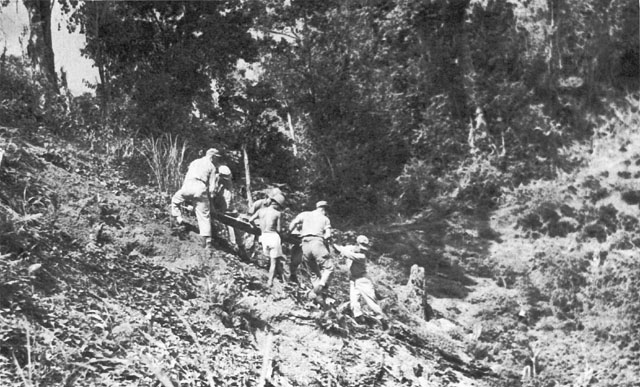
(279, 224)
(327, 230)
(349, 253)
(295, 222)
(253, 217)
(228, 196)
(213, 181)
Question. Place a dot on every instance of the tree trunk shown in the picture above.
(40, 47)
(105, 86)
(247, 175)
(293, 135)
(477, 127)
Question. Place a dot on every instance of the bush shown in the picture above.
(560, 276)
(480, 181)
(613, 288)
(18, 92)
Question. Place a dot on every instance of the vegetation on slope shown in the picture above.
(499, 164)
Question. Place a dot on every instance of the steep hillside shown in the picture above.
(546, 285)
(98, 288)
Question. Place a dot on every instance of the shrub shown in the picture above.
(18, 92)
(560, 276)
(480, 181)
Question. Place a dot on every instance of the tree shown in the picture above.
(164, 56)
(40, 47)
(251, 120)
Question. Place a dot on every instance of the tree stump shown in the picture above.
(414, 294)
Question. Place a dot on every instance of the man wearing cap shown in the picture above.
(359, 285)
(269, 221)
(199, 182)
(315, 229)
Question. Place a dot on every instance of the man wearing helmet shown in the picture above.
(223, 191)
(359, 285)
(264, 202)
(199, 183)
(222, 198)
(269, 221)
(315, 229)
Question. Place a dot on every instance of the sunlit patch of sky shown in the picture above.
(14, 22)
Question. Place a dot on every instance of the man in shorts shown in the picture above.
(269, 221)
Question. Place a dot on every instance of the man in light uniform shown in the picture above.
(315, 229)
(270, 226)
(359, 285)
(199, 183)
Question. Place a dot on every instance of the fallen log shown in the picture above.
(249, 228)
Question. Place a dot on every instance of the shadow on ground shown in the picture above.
(452, 247)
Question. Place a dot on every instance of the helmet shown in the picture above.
(223, 170)
(363, 241)
(322, 203)
(278, 198)
(274, 191)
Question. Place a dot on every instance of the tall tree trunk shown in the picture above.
(293, 134)
(40, 47)
(105, 86)
(247, 174)
(477, 122)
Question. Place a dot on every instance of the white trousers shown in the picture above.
(363, 288)
(195, 192)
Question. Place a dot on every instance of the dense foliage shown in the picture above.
(378, 106)
(438, 85)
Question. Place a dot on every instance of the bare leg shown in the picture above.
(272, 270)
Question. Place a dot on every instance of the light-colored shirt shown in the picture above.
(269, 219)
(203, 170)
(314, 223)
(357, 260)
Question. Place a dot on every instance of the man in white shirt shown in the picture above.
(359, 285)
(199, 183)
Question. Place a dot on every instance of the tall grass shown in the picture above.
(165, 156)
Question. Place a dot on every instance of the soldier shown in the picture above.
(315, 230)
(199, 183)
(223, 198)
(270, 225)
(359, 285)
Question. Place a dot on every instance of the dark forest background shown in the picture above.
(378, 106)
